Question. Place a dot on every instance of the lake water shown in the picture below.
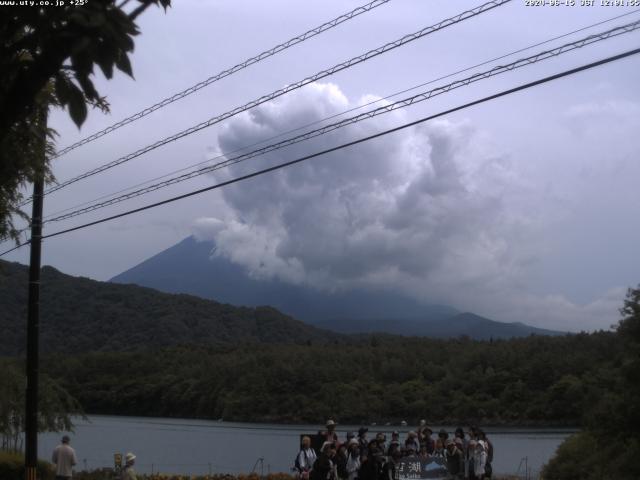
(200, 446)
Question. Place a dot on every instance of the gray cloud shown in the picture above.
(438, 212)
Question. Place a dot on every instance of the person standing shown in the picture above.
(363, 443)
(330, 434)
(455, 460)
(128, 473)
(324, 466)
(64, 457)
(479, 460)
(305, 459)
(353, 459)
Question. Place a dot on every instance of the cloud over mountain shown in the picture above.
(434, 211)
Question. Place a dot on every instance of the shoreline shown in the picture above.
(271, 423)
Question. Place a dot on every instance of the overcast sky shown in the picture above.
(521, 209)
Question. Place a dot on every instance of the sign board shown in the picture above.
(416, 468)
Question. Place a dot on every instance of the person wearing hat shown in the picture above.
(128, 473)
(330, 435)
(64, 458)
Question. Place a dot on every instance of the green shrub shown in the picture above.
(12, 467)
(584, 456)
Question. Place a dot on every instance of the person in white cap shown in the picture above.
(330, 435)
(128, 473)
(64, 457)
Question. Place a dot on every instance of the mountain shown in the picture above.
(190, 267)
(82, 315)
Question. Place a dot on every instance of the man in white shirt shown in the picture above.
(64, 457)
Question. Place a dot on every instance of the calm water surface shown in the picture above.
(200, 446)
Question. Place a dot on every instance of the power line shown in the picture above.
(589, 40)
(225, 73)
(325, 119)
(349, 144)
(330, 71)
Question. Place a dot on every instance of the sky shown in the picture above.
(519, 209)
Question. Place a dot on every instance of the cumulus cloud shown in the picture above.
(431, 211)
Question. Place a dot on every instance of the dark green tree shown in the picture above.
(48, 55)
(609, 447)
(56, 407)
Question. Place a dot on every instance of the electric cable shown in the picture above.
(502, 93)
(336, 68)
(590, 40)
(325, 119)
(225, 73)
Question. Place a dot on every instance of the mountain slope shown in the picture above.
(81, 315)
(190, 267)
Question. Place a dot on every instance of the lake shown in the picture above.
(200, 446)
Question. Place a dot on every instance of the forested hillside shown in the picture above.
(82, 315)
(537, 380)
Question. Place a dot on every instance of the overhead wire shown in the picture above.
(225, 73)
(265, 98)
(502, 93)
(53, 216)
(339, 114)
(420, 97)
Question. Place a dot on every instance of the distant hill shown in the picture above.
(190, 267)
(82, 315)
(469, 324)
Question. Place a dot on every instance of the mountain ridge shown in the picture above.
(190, 267)
(81, 315)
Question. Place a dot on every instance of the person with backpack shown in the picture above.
(305, 459)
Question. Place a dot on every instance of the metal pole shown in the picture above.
(33, 323)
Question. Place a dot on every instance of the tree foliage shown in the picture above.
(82, 315)
(526, 381)
(609, 447)
(48, 55)
(55, 407)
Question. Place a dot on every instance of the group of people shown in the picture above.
(327, 457)
(64, 459)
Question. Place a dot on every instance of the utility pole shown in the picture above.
(33, 316)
